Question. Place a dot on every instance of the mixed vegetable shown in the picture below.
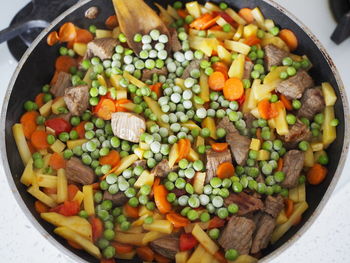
(197, 149)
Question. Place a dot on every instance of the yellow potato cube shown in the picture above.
(255, 144)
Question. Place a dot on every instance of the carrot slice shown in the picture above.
(289, 207)
(274, 110)
(121, 248)
(57, 161)
(157, 88)
(39, 99)
(160, 198)
(130, 211)
(38, 140)
(316, 174)
(287, 104)
(217, 81)
(72, 191)
(290, 38)
(40, 207)
(106, 108)
(225, 170)
(246, 14)
(184, 148)
(112, 158)
(145, 253)
(96, 227)
(83, 36)
(28, 121)
(64, 63)
(52, 38)
(177, 220)
(252, 40)
(80, 128)
(221, 67)
(219, 146)
(233, 89)
(111, 22)
(264, 109)
(279, 165)
(67, 32)
(204, 22)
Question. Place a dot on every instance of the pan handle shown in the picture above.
(19, 28)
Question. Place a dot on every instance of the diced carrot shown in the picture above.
(80, 128)
(225, 170)
(145, 253)
(219, 256)
(57, 161)
(274, 111)
(112, 158)
(221, 67)
(83, 36)
(182, 13)
(157, 88)
(74, 244)
(289, 207)
(216, 222)
(252, 40)
(217, 81)
(233, 89)
(67, 32)
(219, 146)
(121, 248)
(72, 191)
(287, 104)
(203, 22)
(246, 14)
(106, 108)
(52, 38)
(161, 259)
(279, 165)
(264, 109)
(130, 211)
(40, 207)
(38, 140)
(184, 148)
(177, 220)
(39, 99)
(111, 22)
(97, 228)
(160, 198)
(28, 121)
(316, 174)
(290, 38)
(64, 63)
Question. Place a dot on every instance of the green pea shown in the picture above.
(222, 212)
(231, 254)
(214, 233)
(233, 208)
(192, 215)
(303, 145)
(204, 217)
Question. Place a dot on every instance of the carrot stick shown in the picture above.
(316, 174)
(252, 40)
(83, 36)
(290, 38)
(279, 165)
(145, 253)
(72, 191)
(40, 207)
(217, 81)
(289, 207)
(264, 109)
(216, 28)
(233, 89)
(130, 211)
(111, 22)
(160, 198)
(121, 248)
(219, 146)
(67, 32)
(225, 170)
(64, 63)
(38, 140)
(52, 38)
(287, 104)
(112, 158)
(177, 220)
(28, 121)
(204, 22)
(97, 228)
(221, 67)
(246, 14)
(57, 161)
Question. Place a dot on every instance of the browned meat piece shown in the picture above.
(312, 102)
(148, 73)
(179, 192)
(102, 48)
(265, 227)
(246, 203)
(274, 56)
(117, 199)
(162, 169)
(248, 67)
(273, 205)
(166, 246)
(239, 144)
(193, 65)
(294, 87)
(293, 162)
(213, 160)
(297, 133)
(174, 40)
(92, 12)
(249, 118)
(238, 234)
(128, 126)
(77, 99)
(63, 82)
(78, 172)
(142, 163)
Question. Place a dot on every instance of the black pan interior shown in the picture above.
(39, 68)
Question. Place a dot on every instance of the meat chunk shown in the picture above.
(262, 236)
(249, 118)
(162, 169)
(148, 73)
(193, 65)
(312, 103)
(102, 48)
(142, 163)
(77, 99)
(174, 40)
(239, 144)
(273, 205)
(63, 82)
(238, 234)
(248, 67)
(294, 87)
(166, 246)
(293, 162)
(78, 172)
(246, 203)
(213, 160)
(179, 192)
(297, 133)
(128, 126)
(274, 55)
(118, 199)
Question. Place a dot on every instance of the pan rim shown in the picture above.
(267, 258)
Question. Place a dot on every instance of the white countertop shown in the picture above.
(328, 240)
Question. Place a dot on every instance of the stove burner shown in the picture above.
(341, 13)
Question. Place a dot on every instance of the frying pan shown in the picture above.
(37, 67)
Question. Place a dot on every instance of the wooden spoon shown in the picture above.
(135, 16)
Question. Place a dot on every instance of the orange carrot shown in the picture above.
(216, 222)
(246, 14)
(28, 121)
(121, 248)
(57, 161)
(111, 22)
(219, 256)
(74, 244)
(233, 89)
(160, 198)
(177, 220)
(279, 165)
(316, 174)
(38, 140)
(52, 38)
(161, 259)
(39, 99)
(217, 81)
(80, 128)
(264, 109)
(288, 207)
(219, 146)
(216, 28)
(182, 13)
(274, 110)
(184, 148)
(40, 207)
(145, 253)
(287, 104)
(225, 170)
(67, 32)
(157, 88)
(221, 67)
(105, 109)
(83, 36)
(64, 63)
(96, 186)
(72, 191)
(112, 158)
(96, 227)
(252, 40)
(290, 38)
(130, 211)
(204, 22)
